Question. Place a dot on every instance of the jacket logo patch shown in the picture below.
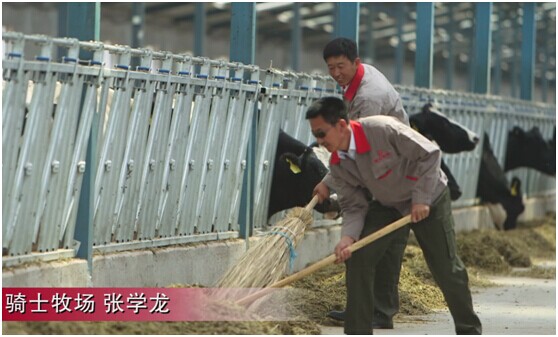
(381, 156)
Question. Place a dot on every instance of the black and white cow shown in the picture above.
(450, 136)
(493, 187)
(296, 172)
(529, 149)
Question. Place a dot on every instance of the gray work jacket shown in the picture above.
(398, 165)
(375, 96)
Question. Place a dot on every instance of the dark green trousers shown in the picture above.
(380, 262)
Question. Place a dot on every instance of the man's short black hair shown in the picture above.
(332, 109)
(341, 46)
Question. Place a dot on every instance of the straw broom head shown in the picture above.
(267, 261)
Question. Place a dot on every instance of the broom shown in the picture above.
(267, 261)
(326, 261)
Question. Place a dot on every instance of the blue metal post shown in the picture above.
(483, 37)
(528, 39)
(544, 79)
(243, 32)
(243, 45)
(296, 37)
(83, 22)
(199, 31)
(400, 49)
(369, 33)
(138, 21)
(498, 53)
(347, 20)
(515, 57)
(423, 56)
(450, 63)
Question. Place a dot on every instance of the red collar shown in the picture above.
(355, 83)
(361, 143)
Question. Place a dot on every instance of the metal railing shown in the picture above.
(495, 116)
(172, 141)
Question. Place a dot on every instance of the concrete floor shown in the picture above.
(517, 306)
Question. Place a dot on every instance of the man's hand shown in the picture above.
(341, 250)
(322, 191)
(419, 212)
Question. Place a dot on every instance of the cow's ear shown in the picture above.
(426, 108)
(517, 131)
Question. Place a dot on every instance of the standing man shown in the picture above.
(401, 169)
(365, 89)
(368, 92)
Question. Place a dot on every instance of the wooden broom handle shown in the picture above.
(328, 260)
(312, 203)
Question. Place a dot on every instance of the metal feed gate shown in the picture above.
(171, 142)
(284, 100)
(495, 116)
(170, 137)
(170, 148)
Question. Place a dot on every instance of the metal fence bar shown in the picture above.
(68, 216)
(184, 203)
(249, 109)
(222, 165)
(32, 157)
(13, 117)
(154, 167)
(268, 133)
(234, 163)
(205, 194)
(174, 159)
(112, 146)
(54, 180)
(197, 165)
(173, 142)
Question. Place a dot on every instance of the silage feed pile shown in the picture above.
(159, 328)
(484, 252)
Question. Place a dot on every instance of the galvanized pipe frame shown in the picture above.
(496, 116)
(48, 207)
(98, 47)
(206, 98)
(24, 67)
(534, 183)
(183, 96)
(282, 106)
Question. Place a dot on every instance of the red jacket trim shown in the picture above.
(412, 178)
(355, 83)
(334, 160)
(385, 174)
(361, 143)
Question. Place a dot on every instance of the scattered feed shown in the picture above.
(325, 290)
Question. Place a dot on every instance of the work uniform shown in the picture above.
(370, 94)
(399, 167)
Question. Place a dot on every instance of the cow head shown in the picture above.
(513, 205)
(294, 180)
(492, 186)
(450, 136)
(529, 149)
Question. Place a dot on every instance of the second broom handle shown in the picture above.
(328, 260)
